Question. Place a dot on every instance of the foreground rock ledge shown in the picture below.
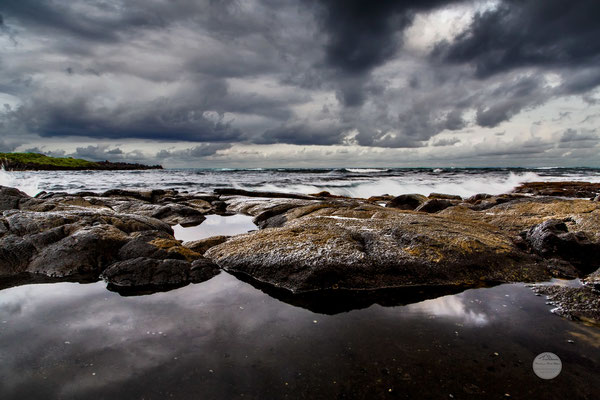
(307, 243)
(323, 252)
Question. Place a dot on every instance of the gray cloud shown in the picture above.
(583, 138)
(445, 142)
(516, 33)
(275, 72)
(199, 151)
(303, 134)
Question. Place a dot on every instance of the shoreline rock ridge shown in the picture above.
(306, 243)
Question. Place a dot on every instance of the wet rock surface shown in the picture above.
(344, 251)
(306, 244)
(564, 189)
(79, 237)
(577, 303)
(146, 274)
(552, 239)
(407, 201)
(202, 245)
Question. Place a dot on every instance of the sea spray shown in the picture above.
(463, 185)
(22, 181)
(355, 182)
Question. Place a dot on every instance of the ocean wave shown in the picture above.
(26, 184)
(365, 170)
(463, 182)
(464, 185)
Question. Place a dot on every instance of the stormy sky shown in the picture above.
(190, 83)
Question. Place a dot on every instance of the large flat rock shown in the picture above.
(385, 250)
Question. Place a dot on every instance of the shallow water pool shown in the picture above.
(226, 339)
(215, 225)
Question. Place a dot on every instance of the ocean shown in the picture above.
(355, 182)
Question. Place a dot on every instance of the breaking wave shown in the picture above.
(355, 182)
(21, 181)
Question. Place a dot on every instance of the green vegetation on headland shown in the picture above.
(36, 161)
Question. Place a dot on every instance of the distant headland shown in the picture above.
(41, 162)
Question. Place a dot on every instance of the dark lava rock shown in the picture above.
(144, 271)
(435, 205)
(478, 197)
(578, 303)
(10, 198)
(392, 250)
(407, 201)
(178, 213)
(271, 195)
(202, 245)
(67, 243)
(444, 196)
(145, 275)
(203, 269)
(86, 251)
(144, 244)
(147, 196)
(552, 239)
(273, 217)
(564, 189)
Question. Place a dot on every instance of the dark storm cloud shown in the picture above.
(362, 35)
(270, 71)
(509, 99)
(303, 134)
(160, 120)
(101, 22)
(523, 33)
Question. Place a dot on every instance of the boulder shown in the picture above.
(71, 243)
(435, 205)
(321, 252)
(200, 246)
(273, 217)
(144, 273)
(151, 244)
(444, 196)
(407, 201)
(87, 251)
(10, 198)
(552, 239)
(478, 197)
(563, 189)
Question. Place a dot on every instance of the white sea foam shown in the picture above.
(463, 185)
(365, 170)
(27, 184)
(394, 182)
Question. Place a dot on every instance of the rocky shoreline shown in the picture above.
(11, 165)
(310, 249)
